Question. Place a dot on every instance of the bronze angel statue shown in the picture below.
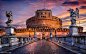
(10, 19)
(73, 15)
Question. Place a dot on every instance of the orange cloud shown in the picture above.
(17, 22)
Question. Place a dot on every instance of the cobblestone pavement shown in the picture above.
(41, 47)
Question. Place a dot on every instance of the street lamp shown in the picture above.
(29, 32)
(34, 33)
(55, 35)
(55, 32)
(51, 36)
(34, 38)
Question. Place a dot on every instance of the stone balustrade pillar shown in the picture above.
(85, 40)
(10, 44)
(28, 39)
(57, 38)
(0, 43)
(34, 39)
(76, 39)
(63, 40)
(80, 40)
(25, 39)
(73, 41)
(21, 40)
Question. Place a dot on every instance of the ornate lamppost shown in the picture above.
(55, 32)
(34, 38)
(51, 36)
(29, 36)
(55, 35)
(29, 32)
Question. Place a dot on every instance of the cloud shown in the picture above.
(19, 25)
(84, 15)
(66, 26)
(83, 7)
(70, 3)
(66, 18)
(24, 10)
(48, 5)
(2, 8)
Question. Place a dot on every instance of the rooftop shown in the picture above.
(44, 10)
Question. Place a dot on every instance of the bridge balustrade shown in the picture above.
(5, 41)
(79, 41)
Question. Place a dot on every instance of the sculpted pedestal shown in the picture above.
(73, 31)
(9, 30)
(9, 38)
(73, 27)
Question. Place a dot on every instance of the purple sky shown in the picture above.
(23, 9)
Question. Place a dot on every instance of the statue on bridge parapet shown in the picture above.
(9, 39)
(73, 15)
(10, 19)
(73, 27)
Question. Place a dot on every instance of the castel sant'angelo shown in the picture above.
(43, 22)
(44, 18)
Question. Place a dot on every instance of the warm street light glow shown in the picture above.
(29, 29)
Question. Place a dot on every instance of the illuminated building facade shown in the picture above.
(44, 18)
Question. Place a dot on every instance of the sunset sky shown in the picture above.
(23, 9)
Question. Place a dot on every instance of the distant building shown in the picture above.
(44, 18)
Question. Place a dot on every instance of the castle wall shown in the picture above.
(44, 18)
(25, 32)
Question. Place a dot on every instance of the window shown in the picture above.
(43, 16)
(49, 14)
(45, 12)
(37, 14)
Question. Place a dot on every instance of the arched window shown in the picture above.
(37, 14)
(45, 12)
(49, 14)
